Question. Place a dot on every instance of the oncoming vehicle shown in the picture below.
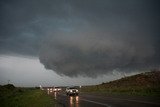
(72, 91)
(57, 89)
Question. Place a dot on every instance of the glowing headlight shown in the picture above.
(76, 90)
(71, 91)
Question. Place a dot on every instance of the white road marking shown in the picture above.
(103, 104)
(138, 101)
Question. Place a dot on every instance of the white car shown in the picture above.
(72, 91)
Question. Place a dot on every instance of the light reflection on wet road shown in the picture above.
(85, 100)
(74, 101)
(55, 95)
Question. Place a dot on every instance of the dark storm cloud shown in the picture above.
(83, 37)
(25, 23)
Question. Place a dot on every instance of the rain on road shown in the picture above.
(87, 100)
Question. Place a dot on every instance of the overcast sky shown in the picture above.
(26, 71)
(56, 42)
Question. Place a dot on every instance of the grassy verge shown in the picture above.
(20, 97)
(143, 84)
(139, 91)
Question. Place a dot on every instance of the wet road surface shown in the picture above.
(91, 100)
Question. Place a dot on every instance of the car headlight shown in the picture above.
(71, 91)
(76, 90)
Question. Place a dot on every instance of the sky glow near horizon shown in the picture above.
(29, 72)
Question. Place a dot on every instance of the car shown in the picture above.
(72, 91)
(57, 89)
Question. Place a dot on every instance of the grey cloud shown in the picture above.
(25, 23)
(83, 37)
(91, 55)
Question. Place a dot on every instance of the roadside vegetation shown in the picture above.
(144, 84)
(11, 96)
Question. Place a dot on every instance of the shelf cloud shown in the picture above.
(83, 37)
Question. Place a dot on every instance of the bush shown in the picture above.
(9, 86)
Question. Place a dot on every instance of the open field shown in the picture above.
(11, 96)
(144, 84)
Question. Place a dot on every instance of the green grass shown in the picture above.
(140, 91)
(144, 84)
(25, 98)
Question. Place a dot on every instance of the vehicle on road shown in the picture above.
(72, 91)
(57, 89)
(53, 89)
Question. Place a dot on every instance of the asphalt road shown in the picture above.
(94, 100)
